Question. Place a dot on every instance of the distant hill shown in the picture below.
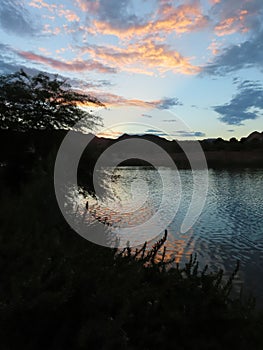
(255, 136)
(248, 152)
(23, 152)
(20, 148)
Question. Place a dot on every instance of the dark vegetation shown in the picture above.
(59, 291)
(20, 151)
(42, 103)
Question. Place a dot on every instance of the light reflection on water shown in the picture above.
(229, 228)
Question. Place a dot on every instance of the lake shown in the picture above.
(230, 227)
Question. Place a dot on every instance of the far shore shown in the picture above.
(214, 159)
(26, 148)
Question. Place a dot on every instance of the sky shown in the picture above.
(180, 69)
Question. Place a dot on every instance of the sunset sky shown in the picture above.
(150, 61)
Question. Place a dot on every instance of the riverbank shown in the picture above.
(20, 149)
(59, 291)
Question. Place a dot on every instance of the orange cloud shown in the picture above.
(147, 57)
(231, 25)
(47, 29)
(59, 9)
(168, 19)
(69, 15)
(214, 47)
(183, 18)
(72, 66)
(44, 50)
(42, 4)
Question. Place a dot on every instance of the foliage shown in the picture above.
(58, 291)
(39, 102)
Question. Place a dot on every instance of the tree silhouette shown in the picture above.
(39, 102)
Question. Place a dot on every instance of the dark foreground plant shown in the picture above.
(58, 291)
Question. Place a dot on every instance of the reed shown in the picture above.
(59, 291)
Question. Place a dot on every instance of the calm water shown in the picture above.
(230, 226)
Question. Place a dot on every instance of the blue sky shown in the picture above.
(152, 62)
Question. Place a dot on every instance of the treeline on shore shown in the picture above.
(20, 149)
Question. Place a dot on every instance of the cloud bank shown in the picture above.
(247, 104)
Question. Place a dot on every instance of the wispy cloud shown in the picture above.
(214, 47)
(72, 66)
(41, 4)
(148, 57)
(168, 102)
(58, 10)
(184, 133)
(178, 133)
(246, 104)
(231, 25)
(155, 132)
(70, 16)
(233, 16)
(113, 100)
(84, 85)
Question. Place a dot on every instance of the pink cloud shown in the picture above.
(72, 66)
(69, 15)
(113, 100)
(214, 47)
(42, 4)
